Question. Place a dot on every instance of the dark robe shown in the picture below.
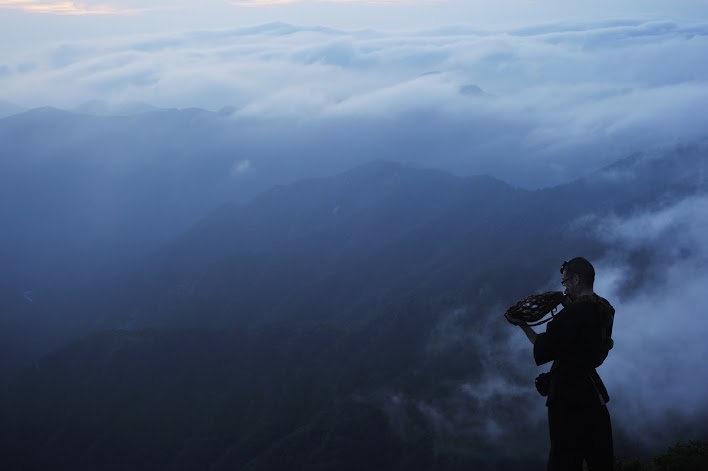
(577, 341)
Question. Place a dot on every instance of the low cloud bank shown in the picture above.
(535, 107)
(656, 369)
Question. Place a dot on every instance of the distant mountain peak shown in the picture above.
(378, 167)
(471, 89)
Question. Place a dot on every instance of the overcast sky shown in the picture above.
(26, 24)
(91, 17)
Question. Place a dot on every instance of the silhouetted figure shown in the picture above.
(577, 340)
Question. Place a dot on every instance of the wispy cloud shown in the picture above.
(89, 7)
(67, 8)
(259, 3)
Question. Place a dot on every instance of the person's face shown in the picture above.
(570, 283)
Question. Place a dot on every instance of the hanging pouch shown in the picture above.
(543, 383)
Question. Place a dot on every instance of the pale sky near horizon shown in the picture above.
(27, 24)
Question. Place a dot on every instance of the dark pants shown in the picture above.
(577, 434)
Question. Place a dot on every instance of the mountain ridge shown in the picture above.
(283, 329)
(399, 222)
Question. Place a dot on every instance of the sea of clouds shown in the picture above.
(536, 105)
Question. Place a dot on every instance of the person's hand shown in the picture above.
(514, 320)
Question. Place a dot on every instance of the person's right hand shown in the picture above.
(514, 320)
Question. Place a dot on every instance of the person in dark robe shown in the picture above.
(577, 341)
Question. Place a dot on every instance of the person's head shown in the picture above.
(577, 277)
